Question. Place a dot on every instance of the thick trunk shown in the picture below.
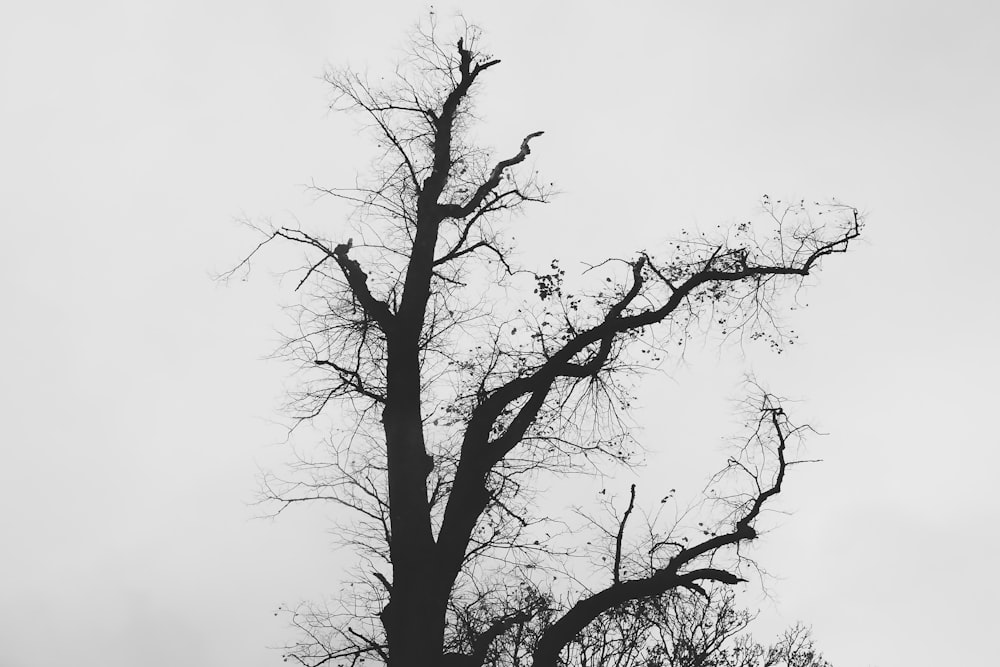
(415, 625)
(414, 619)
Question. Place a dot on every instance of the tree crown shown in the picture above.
(467, 378)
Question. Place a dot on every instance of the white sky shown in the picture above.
(136, 406)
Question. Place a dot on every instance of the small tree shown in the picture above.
(468, 380)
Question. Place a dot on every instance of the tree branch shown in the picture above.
(356, 277)
(462, 210)
(621, 535)
(556, 636)
(352, 378)
(480, 453)
(560, 633)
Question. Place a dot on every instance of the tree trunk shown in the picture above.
(415, 617)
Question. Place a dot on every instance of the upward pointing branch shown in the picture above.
(671, 575)
(357, 279)
(463, 210)
(434, 184)
(416, 285)
(621, 536)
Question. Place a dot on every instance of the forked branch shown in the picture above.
(672, 574)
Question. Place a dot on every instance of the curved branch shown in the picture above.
(670, 576)
(463, 210)
(481, 452)
(580, 615)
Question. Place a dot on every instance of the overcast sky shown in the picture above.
(137, 406)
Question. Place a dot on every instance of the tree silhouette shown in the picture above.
(468, 382)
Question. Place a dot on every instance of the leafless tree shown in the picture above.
(469, 381)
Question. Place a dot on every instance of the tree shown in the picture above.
(462, 398)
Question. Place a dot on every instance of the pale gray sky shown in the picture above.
(136, 405)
